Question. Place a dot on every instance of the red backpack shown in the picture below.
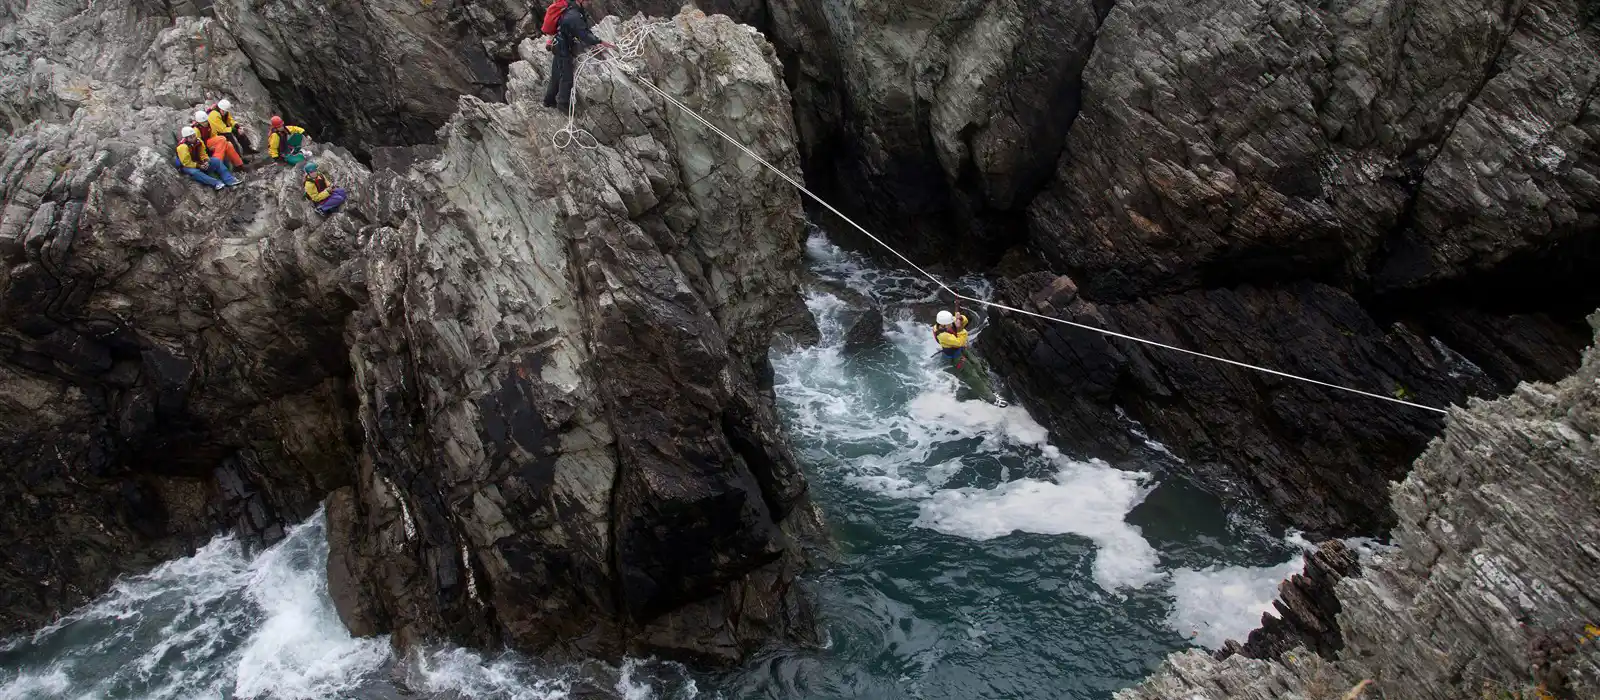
(552, 16)
(552, 22)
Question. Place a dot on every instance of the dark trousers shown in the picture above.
(559, 93)
(241, 143)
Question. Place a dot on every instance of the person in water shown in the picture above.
(950, 330)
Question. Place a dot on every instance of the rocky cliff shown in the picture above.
(171, 357)
(936, 121)
(533, 380)
(560, 372)
(1399, 196)
(1489, 592)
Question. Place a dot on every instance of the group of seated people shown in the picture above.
(210, 147)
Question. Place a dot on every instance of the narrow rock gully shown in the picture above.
(976, 559)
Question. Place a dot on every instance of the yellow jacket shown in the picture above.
(958, 339)
(272, 140)
(220, 123)
(193, 157)
(317, 195)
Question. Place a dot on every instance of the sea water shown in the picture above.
(977, 559)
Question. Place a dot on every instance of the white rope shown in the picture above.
(629, 46)
(797, 185)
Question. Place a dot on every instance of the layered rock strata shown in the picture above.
(1489, 592)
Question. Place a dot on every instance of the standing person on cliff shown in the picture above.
(573, 35)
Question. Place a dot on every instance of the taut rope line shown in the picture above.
(631, 45)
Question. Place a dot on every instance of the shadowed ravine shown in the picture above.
(976, 560)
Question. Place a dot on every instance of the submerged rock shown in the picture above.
(1490, 589)
(866, 333)
(534, 380)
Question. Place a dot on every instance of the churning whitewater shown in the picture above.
(978, 560)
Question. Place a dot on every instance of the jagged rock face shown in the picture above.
(171, 358)
(567, 445)
(1490, 591)
(535, 381)
(379, 72)
(1384, 144)
(1307, 608)
(1321, 458)
(935, 117)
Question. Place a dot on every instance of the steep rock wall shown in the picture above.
(936, 118)
(1490, 590)
(534, 380)
(170, 357)
(566, 442)
(1321, 458)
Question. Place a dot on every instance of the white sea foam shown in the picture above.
(897, 430)
(471, 675)
(1088, 499)
(201, 625)
(1213, 605)
(300, 649)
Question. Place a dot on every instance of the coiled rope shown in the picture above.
(631, 45)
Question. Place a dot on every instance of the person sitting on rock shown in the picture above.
(199, 165)
(284, 141)
(573, 35)
(218, 146)
(202, 125)
(322, 193)
(222, 123)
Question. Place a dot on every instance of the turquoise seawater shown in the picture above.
(976, 560)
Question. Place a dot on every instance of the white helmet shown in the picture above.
(187, 131)
(199, 115)
(224, 105)
(945, 318)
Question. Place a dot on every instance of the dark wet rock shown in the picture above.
(866, 333)
(1321, 458)
(930, 119)
(567, 443)
(1228, 141)
(370, 74)
(1490, 592)
(1306, 611)
(535, 381)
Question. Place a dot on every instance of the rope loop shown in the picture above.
(629, 45)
